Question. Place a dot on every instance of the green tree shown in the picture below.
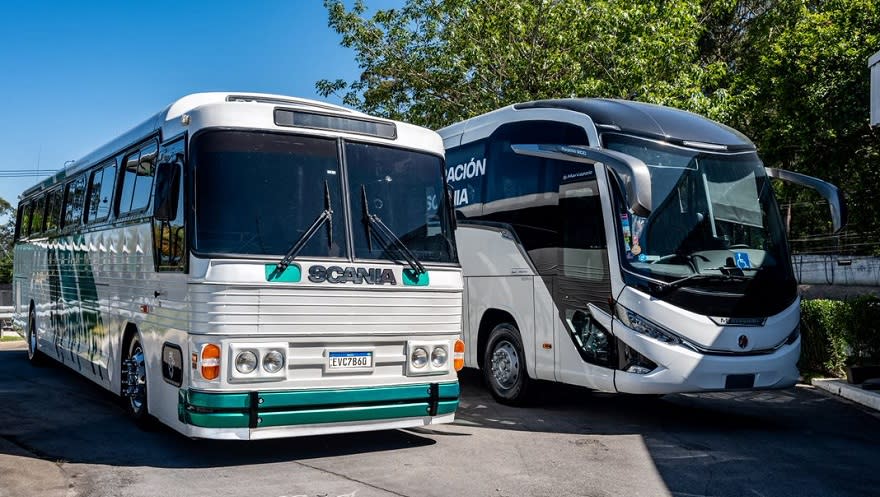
(7, 234)
(805, 81)
(434, 62)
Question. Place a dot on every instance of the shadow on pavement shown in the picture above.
(58, 415)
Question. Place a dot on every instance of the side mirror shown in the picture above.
(632, 172)
(167, 191)
(828, 191)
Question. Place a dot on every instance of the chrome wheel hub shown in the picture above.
(134, 378)
(505, 365)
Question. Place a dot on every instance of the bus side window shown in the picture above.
(36, 226)
(53, 210)
(74, 195)
(100, 192)
(169, 233)
(24, 218)
(137, 180)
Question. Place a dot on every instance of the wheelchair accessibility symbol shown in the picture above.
(741, 259)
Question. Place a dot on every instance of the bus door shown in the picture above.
(585, 351)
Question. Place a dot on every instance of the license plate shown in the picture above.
(340, 361)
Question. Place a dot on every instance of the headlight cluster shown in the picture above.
(427, 358)
(258, 361)
(646, 327)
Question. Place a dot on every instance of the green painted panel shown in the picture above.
(217, 400)
(343, 414)
(344, 396)
(292, 274)
(447, 407)
(410, 278)
(449, 390)
(218, 419)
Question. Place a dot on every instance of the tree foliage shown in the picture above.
(434, 62)
(791, 74)
(7, 233)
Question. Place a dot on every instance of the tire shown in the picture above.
(35, 357)
(504, 366)
(134, 384)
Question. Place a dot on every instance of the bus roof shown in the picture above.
(168, 120)
(648, 120)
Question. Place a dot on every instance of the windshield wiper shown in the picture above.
(704, 277)
(325, 217)
(385, 236)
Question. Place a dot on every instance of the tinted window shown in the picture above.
(74, 197)
(100, 193)
(405, 190)
(24, 218)
(465, 172)
(258, 193)
(37, 217)
(143, 187)
(511, 175)
(137, 180)
(53, 210)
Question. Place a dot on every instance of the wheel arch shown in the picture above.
(491, 318)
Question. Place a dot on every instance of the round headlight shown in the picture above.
(419, 358)
(245, 362)
(273, 361)
(439, 356)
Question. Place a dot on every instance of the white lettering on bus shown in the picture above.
(466, 170)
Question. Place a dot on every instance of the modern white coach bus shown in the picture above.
(245, 266)
(623, 247)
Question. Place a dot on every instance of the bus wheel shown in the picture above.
(134, 383)
(504, 366)
(35, 357)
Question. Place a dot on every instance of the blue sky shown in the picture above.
(75, 74)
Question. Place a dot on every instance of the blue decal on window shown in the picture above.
(742, 260)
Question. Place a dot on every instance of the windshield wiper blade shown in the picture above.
(325, 217)
(385, 236)
(704, 277)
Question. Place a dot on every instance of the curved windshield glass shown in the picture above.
(713, 216)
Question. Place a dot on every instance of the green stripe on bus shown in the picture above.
(290, 274)
(410, 278)
(217, 419)
(231, 410)
(446, 407)
(217, 400)
(449, 390)
(343, 414)
(344, 396)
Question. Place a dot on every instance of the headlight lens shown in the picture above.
(246, 362)
(419, 358)
(273, 361)
(645, 326)
(439, 356)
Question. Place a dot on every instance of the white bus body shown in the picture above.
(245, 266)
(623, 247)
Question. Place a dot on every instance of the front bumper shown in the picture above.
(323, 407)
(681, 370)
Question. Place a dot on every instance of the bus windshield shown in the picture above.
(256, 193)
(713, 216)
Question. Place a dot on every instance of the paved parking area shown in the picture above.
(62, 435)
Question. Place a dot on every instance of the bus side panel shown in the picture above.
(498, 276)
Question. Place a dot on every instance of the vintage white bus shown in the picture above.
(623, 247)
(245, 266)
